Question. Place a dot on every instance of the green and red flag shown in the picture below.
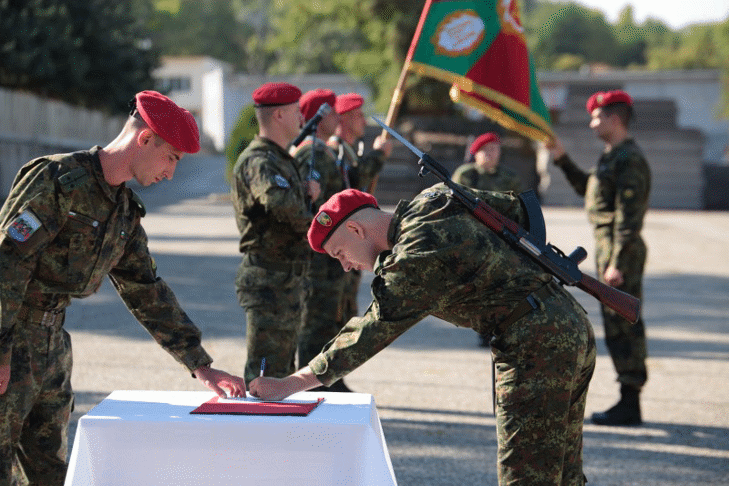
(478, 46)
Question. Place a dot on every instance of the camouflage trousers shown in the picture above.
(322, 317)
(273, 301)
(35, 410)
(626, 341)
(544, 364)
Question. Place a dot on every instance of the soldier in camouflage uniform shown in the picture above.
(484, 172)
(616, 200)
(68, 222)
(362, 169)
(325, 279)
(272, 210)
(432, 257)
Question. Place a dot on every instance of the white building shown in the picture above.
(211, 91)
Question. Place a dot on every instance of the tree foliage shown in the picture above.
(86, 52)
(99, 52)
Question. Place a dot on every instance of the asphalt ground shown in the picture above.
(432, 386)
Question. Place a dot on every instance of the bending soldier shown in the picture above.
(431, 256)
(68, 222)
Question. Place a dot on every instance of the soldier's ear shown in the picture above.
(355, 228)
(145, 136)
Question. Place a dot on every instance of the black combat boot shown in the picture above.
(625, 412)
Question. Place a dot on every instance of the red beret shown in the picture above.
(604, 98)
(334, 212)
(348, 102)
(276, 94)
(312, 100)
(173, 124)
(482, 140)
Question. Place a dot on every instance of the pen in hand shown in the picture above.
(263, 366)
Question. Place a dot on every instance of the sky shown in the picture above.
(674, 13)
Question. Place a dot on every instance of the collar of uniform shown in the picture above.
(620, 146)
(109, 191)
(393, 232)
(271, 145)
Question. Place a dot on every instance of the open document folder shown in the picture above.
(255, 406)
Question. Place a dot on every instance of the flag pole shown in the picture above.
(399, 93)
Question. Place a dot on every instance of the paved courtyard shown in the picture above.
(432, 386)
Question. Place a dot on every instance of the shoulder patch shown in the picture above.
(137, 201)
(73, 178)
(23, 226)
(281, 181)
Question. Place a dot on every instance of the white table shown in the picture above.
(150, 438)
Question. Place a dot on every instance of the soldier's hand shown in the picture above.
(555, 147)
(267, 388)
(381, 143)
(220, 381)
(613, 276)
(4, 378)
(313, 189)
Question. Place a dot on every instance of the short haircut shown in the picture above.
(623, 110)
(136, 122)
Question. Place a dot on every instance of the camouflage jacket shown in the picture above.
(362, 169)
(616, 195)
(64, 229)
(501, 179)
(326, 170)
(443, 262)
(332, 179)
(271, 206)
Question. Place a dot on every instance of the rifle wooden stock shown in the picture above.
(627, 306)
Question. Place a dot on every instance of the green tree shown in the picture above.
(555, 29)
(93, 53)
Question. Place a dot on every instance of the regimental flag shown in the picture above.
(479, 47)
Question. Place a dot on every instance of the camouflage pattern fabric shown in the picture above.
(446, 263)
(36, 408)
(500, 179)
(273, 215)
(273, 300)
(363, 168)
(616, 199)
(326, 277)
(63, 230)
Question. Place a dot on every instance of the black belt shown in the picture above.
(298, 267)
(525, 307)
(46, 318)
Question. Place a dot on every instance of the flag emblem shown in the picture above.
(459, 33)
(23, 226)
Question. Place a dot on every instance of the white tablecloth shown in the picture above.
(149, 438)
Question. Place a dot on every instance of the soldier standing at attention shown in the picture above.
(68, 222)
(362, 169)
(616, 200)
(325, 278)
(485, 172)
(272, 200)
(433, 257)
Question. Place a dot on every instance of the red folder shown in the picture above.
(213, 406)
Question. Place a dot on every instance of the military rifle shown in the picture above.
(564, 267)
